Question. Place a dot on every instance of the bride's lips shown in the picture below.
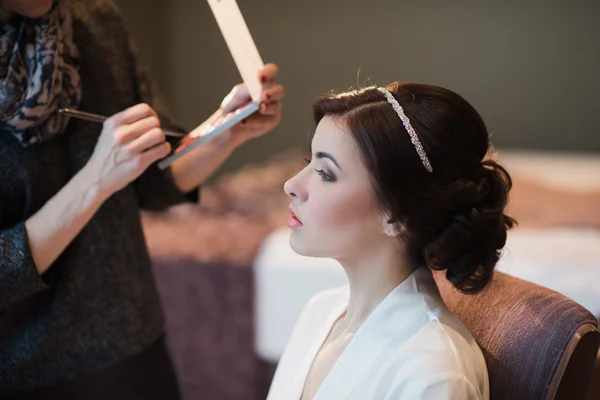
(293, 221)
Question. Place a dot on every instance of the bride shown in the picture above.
(398, 185)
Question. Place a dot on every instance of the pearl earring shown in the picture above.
(389, 230)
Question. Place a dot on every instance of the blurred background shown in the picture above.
(530, 68)
(231, 285)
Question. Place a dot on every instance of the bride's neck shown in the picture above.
(371, 278)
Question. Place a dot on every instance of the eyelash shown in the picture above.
(324, 175)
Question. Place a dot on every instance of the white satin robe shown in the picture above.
(410, 347)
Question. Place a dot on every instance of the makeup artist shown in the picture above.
(80, 317)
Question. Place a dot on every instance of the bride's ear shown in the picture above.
(390, 228)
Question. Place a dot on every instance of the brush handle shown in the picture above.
(101, 118)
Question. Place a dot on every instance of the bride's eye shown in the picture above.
(325, 176)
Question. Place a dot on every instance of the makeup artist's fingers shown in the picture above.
(155, 153)
(238, 91)
(268, 73)
(271, 108)
(238, 97)
(273, 93)
(136, 113)
(146, 141)
(142, 161)
(127, 133)
(124, 151)
(130, 115)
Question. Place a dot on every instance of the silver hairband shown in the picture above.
(406, 122)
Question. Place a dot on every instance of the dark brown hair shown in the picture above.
(454, 217)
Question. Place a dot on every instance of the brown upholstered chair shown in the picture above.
(538, 344)
(594, 389)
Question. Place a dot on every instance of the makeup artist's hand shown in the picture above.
(130, 141)
(195, 167)
(269, 114)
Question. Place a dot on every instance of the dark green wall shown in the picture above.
(531, 68)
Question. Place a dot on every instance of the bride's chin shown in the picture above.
(294, 244)
(305, 248)
(298, 246)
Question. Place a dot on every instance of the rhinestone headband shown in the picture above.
(406, 122)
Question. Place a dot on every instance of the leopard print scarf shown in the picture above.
(38, 75)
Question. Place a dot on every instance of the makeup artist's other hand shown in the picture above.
(130, 141)
(269, 114)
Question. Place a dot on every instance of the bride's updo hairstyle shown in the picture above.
(425, 148)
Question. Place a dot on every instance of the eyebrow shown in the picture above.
(322, 154)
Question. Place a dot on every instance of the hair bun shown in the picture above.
(469, 247)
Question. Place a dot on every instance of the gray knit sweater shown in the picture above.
(98, 304)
